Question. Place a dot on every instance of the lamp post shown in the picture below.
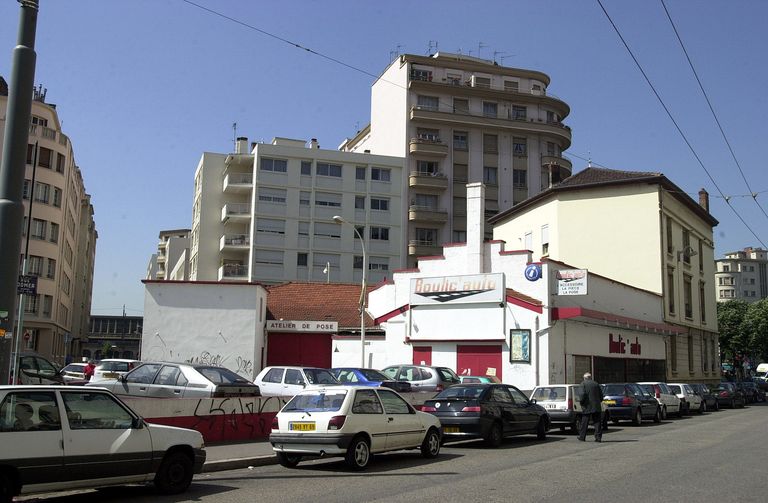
(340, 220)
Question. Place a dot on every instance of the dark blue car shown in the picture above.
(369, 377)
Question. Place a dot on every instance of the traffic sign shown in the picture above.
(27, 285)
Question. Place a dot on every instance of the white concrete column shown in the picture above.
(475, 226)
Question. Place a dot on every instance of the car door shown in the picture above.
(272, 382)
(102, 438)
(404, 427)
(31, 436)
(368, 415)
(500, 404)
(293, 382)
(136, 382)
(169, 383)
(525, 411)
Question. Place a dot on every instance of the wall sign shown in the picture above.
(533, 272)
(302, 326)
(571, 282)
(619, 345)
(475, 288)
(520, 346)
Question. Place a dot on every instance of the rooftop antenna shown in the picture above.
(394, 54)
(234, 136)
(480, 47)
(589, 159)
(499, 53)
(432, 44)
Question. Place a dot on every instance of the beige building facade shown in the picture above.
(62, 237)
(642, 230)
(458, 119)
(171, 262)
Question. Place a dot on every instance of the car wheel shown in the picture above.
(541, 429)
(657, 416)
(703, 407)
(288, 460)
(717, 405)
(638, 419)
(6, 488)
(430, 447)
(574, 428)
(606, 419)
(664, 413)
(358, 453)
(733, 403)
(495, 436)
(175, 473)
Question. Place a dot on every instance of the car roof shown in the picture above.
(46, 387)
(343, 387)
(118, 360)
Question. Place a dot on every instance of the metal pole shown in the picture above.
(12, 168)
(362, 302)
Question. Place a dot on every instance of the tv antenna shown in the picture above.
(480, 47)
(234, 136)
(432, 44)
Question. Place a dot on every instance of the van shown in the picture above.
(561, 402)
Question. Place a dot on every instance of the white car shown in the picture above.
(351, 421)
(67, 437)
(287, 381)
(112, 368)
(689, 400)
(669, 402)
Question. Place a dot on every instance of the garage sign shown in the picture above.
(469, 289)
(302, 326)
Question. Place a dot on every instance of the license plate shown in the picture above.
(609, 402)
(296, 426)
(110, 375)
(551, 406)
(450, 429)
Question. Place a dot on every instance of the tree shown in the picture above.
(756, 324)
(734, 334)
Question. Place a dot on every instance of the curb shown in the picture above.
(237, 463)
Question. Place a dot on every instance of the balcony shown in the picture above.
(233, 272)
(419, 248)
(236, 212)
(563, 162)
(428, 147)
(238, 183)
(235, 242)
(428, 181)
(429, 214)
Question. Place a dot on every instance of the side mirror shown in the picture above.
(137, 423)
(533, 400)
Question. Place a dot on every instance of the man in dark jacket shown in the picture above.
(591, 400)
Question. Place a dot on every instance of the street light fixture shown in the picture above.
(340, 220)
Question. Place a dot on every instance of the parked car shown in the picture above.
(112, 368)
(488, 411)
(423, 377)
(180, 380)
(749, 389)
(479, 380)
(369, 377)
(630, 401)
(287, 381)
(689, 400)
(707, 396)
(351, 421)
(729, 395)
(68, 437)
(759, 393)
(561, 402)
(34, 369)
(73, 373)
(670, 403)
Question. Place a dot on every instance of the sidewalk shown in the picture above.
(234, 455)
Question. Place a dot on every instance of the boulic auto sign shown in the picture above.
(469, 289)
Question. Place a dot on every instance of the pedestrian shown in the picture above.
(591, 401)
(88, 370)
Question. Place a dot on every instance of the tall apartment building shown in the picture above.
(266, 214)
(171, 262)
(742, 275)
(62, 239)
(459, 119)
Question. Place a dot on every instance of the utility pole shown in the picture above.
(12, 169)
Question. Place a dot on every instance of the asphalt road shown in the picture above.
(716, 457)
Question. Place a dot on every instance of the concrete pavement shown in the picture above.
(234, 455)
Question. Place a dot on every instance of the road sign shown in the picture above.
(27, 285)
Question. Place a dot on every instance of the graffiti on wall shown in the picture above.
(236, 418)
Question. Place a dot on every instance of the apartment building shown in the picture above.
(640, 229)
(62, 236)
(742, 275)
(265, 214)
(458, 119)
(171, 262)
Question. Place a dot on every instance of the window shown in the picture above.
(87, 410)
(726, 268)
(366, 402)
(428, 201)
(460, 172)
(550, 116)
(551, 148)
(519, 146)
(327, 199)
(270, 195)
(426, 167)
(359, 202)
(418, 74)
(360, 173)
(25, 190)
(428, 103)
(519, 113)
(323, 259)
(702, 302)
(379, 204)
(490, 143)
(484, 82)
(301, 259)
(380, 174)
(688, 297)
(47, 305)
(519, 179)
(304, 197)
(57, 197)
(454, 79)
(60, 160)
(51, 272)
(274, 375)
(690, 353)
(528, 238)
(380, 233)
(459, 236)
(39, 228)
(671, 290)
(303, 228)
(276, 165)
(30, 303)
(270, 226)
(44, 159)
(490, 109)
(426, 236)
(490, 175)
(42, 192)
(306, 168)
(511, 85)
(713, 359)
(670, 248)
(35, 265)
(701, 256)
(17, 412)
(326, 230)
(460, 106)
(30, 153)
(357, 262)
(426, 134)
(273, 257)
(686, 246)
(460, 140)
(545, 239)
(378, 264)
(68, 252)
(326, 169)
(393, 403)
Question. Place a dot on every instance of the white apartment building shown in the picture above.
(459, 119)
(742, 275)
(62, 236)
(171, 262)
(267, 215)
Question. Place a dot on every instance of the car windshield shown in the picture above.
(649, 388)
(675, 389)
(74, 367)
(373, 375)
(448, 375)
(549, 394)
(613, 389)
(320, 376)
(220, 375)
(463, 392)
(324, 401)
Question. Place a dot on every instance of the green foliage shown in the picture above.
(756, 322)
(743, 328)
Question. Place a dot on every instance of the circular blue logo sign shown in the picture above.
(533, 272)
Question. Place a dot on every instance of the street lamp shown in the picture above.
(340, 220)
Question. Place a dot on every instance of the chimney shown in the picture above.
(475, 227)
(313, 143)
(253, 145)
(241, 146)
(704, 200)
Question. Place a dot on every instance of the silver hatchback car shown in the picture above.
(423, 377)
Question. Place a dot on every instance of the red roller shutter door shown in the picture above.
(476, 360)
(308, 350)
(422, 355)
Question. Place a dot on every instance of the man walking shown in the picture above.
(591, 400)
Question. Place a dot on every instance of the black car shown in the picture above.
(729, 395)
(707, 396)
(487, 411)
(751, 392)
(630, 401)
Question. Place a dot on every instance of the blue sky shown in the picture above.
(144, 87)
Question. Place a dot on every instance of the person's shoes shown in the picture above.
(581, 439)
(598, 440)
